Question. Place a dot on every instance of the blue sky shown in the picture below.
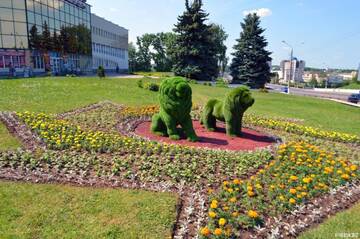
(324, 33)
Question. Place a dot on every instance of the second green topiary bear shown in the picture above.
(230, 111)
(175, 107)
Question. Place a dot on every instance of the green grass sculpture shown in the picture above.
(230, 111)
(175, 107)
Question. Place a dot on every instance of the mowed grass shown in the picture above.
(57, 211)
(354, 86)
(57, 94)
(7, 141)
(345, 222)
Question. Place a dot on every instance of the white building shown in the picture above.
(109, 45)
(294, 70)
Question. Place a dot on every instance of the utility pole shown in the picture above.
(291, 63)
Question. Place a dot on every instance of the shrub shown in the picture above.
(152, 87)
(101, 72)
(140, 84)
(263, 90)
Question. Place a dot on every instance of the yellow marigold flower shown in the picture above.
(293, 178)
(233, 199)
(225, 183)
(251, 193)
(282, 198)
(222, 221)
(353, 167)
(306, 180)
(230, 190)
(345, 176)
(249, 188)
(214, 204)
(205, 231)
(218, 232)
(292, 190)
(292, 201)
(253, 214)
(235, 214)
(226, 208)
(212, 214)
(210, 191)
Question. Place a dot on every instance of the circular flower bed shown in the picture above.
(250, 140)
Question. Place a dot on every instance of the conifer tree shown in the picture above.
(250, 64)
(46, 43)
(195, 55)
(34, 38)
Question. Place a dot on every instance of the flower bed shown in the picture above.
(299, 129)
(146, 160)
(300, 172)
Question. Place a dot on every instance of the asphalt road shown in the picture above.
(311, 92)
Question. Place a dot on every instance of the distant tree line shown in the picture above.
(71, 40)
(196, 49)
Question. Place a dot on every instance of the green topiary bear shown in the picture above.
(175, 107)
(230, 111)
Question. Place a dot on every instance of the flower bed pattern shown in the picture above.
(300, 172)
(83, 150)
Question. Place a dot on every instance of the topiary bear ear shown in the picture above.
(182, 89)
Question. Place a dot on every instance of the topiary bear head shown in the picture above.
(239, 100)
(176, 95)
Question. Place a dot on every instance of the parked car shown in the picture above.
(354, 98)
(284, 90)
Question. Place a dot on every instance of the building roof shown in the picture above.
(109, 22)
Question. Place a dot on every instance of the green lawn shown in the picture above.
(352, 86)
(60, 94)
(56, 211)
(344, 222)
(7, 141)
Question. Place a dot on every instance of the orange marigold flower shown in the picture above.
(218, 232)
(292, 190)
(205, 231)
(251, 193)
(345, 176)
(236, 181)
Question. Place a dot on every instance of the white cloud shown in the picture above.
(261, 12)
(112, 9)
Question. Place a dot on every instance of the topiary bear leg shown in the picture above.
(233, 126)
(208, 119)
(158, 126)
(189, 130)
(171, 126)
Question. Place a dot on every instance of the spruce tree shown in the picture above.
(250, 64)
(195, 55)
(34, 38)
(46, 43)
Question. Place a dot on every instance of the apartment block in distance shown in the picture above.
(109, 45)
(292, 69)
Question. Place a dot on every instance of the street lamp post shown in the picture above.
(291, 59)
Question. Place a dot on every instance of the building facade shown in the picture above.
(37, 36)
(109, 45)
(292, 70)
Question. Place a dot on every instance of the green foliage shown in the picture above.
(230, 111)
(101, 72)
(250, 64)
(196, 55)
(218, 37)
(74, 40)
(175, 107)
(151, 86)
(140, 83)
(220, 82)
